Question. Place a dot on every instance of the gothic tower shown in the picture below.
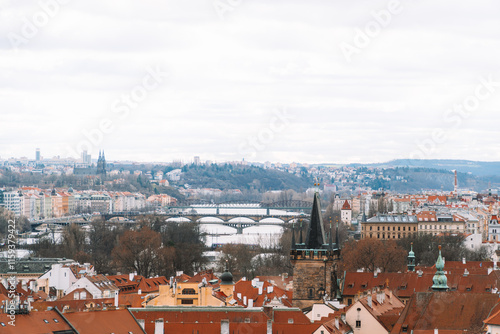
(101, 164)
(314, 263)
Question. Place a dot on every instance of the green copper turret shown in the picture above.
(440, 280)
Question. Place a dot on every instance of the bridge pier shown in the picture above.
(239, 229)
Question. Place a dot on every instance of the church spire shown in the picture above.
(331, 238)
(337, 241)
(440, 281)
(315, 234)
(411, 259)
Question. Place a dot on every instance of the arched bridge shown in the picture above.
(253, 214)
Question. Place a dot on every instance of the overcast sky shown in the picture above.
(305, 81)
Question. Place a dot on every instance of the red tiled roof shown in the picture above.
(246, 289)
(494, 319)
(116, 321)
(73, 305)
(279, 281)
(405, 284)
(346, 205)
(207, 320)
(34, 323)
(445, 311)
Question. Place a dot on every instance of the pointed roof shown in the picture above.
(316, 233)
(440, 280)
(346, 205)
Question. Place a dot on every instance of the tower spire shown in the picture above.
(315, 234)
(440, 281)
(411, 259)
(331, 238)
(337, 242)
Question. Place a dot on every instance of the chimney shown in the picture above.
(260, 289)
(436, 331)
(245, 300)
(159, 326)
(342, 317)
(464, 261)
(224, 326)
(250, 302)
(337, 324)
(116, 299)
(490, 270)
(139, 292)
(369, 301)
(466, 273)
(131, 276)
(269, 327)
(270, 289)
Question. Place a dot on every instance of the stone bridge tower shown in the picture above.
(314, 263)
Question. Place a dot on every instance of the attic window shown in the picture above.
(55, 320)
(364, 285)
(3, 325)
(46, 321)
(290, 320)
(403, 286)
(469, 287)
(351, 285)
(404, 328)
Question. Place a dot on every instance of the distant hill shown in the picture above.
(242, 177)
(478, 168)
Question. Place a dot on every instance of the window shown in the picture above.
(404, 228)
(188, 292)
(394, 228)
(349, 301)
(358, 323)
(310, 293)
(46, 321)
(186, 301)
(399, 228)
(378, 228)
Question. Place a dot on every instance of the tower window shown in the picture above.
(310, 293)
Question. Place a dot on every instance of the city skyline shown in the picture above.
(224, 80)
